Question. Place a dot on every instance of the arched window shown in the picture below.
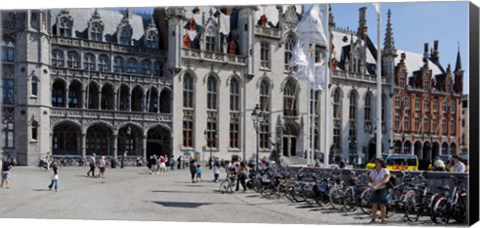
(337, 103)
(234, 96)
(34, 86)
(89, 62)
(118, 64)
(290, 98)
(65, 27)
(96, 32)
(103, 63)
(188, 91)
(57, 58)
(212, 93)
(146, 67)
(58, 93)
(73, 60)
(337, 118)
(265, 55)
(368, 107)
(132, 66)
(152, 39)
(289, 45)
(264, 132)
(265, 96)
(353, 106)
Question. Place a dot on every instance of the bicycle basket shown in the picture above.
(322, 187)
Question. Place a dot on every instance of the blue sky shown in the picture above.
(415, 24)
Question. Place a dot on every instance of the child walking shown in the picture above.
(54, 183)
(199, 173)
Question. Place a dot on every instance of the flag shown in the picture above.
(224, 23)
(319, 81)
(311, 27)
(377, 7)
(298, 56)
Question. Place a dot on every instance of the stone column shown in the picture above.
(84, 144)
(99, 98)
(144, 149)
(67, 95)
(84, 99)
(115, 101)
(144, 100)
(115, 145)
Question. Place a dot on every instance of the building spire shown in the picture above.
(389, 42)
(458, 65)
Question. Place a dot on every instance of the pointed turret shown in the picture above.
(458, 64)
(389, 43)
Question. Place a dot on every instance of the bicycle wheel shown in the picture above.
(288, 194)
(349, 201)
(297, 195)
(336, 198)
(224, 186)
(460, 210)
(412, 208)
(440, 212)
(365, 203)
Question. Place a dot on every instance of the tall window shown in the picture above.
(397, 122)
(188, 133)
(444, 126)
(188, 91)
(57, 58)
(152, 39)
(336, 119)
(289, 45)
(290, 98)
(435, 104)
(73, 60)
(103, 63)
(444, 104)
(426, 104)
(159, 69)
(265, 55)
(146, 67)
(8, 133)
(426, 125)
(368, 107)
(73, 98)
(34, 130)
(352, 119)
(212, 132)
(65, 27)
(407, 102)
(264, 130)
(118, 64)
(8, 50)
(234, 96)
(34, 86)
(314, 110)
(398, 103)
(125, 37)
(8, 92)
(435, 125)
(417, 103)
(212, 93)
(132, 66)
(417, 124)
(210, 43)
(353, 106)
(453, 128)
(89, 62)
(234, 133)
(96, 32)
(407, 123)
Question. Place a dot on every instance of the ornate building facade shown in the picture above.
(85, 81)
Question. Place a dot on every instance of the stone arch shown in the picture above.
(234, 76)
(407, 147)
(435, 150)
(159, 141)
(93, 93)
(108, 97)
(130, 139)
(444, 149)
(214, 75)
(417, 149)
(137, 99)
(66, 139)
(397, 147)
(426, 150)
(59, 95)
(75, 98)
(124, 94)
(166, 101)
(99, 139)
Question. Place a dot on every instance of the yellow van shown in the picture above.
(398, 162)
(371, 163)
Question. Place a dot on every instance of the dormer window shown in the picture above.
(152, 40)
(65, 27)
(96, 32)
(125, 37)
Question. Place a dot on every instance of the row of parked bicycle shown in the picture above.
(65, 161)
(346, 190)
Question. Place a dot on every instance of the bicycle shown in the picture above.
(228, 184)
(453, 206)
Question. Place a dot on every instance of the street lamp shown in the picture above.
(257, 118)
(209, 139)
(129, 132)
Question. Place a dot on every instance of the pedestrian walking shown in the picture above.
(7, 165)
(172, 163)
(193, 169)
(102, 166)
(54, 182)
(242, 175)
(216, 171)
(377, 180)
(162, 165)
(91, 162)
(179, 161)
(199, 172)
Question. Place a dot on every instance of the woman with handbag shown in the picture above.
(377, 180)
(242, 175)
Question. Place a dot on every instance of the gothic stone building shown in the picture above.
(85, 81)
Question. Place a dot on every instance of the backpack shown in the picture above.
(392, 181)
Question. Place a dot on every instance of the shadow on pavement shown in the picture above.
(180, 204)
(41, 190)
(189, 192)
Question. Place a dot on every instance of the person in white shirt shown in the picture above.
(459, 166)
(439, 165)
(377, 180)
